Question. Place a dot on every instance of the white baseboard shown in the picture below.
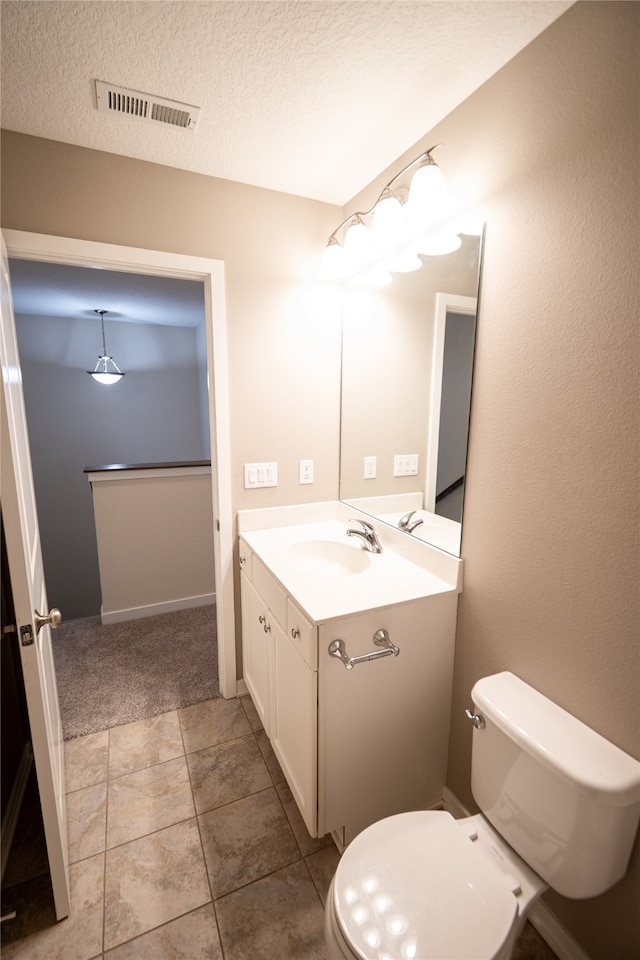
(12, 812)
(552, 931)
(241, 688)
(152, 609)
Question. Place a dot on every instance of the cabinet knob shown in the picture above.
(267, 627)
(295, 632)
(243, 560)
(261, 619)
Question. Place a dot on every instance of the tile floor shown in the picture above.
(185, 844)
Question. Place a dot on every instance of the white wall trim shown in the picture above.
(53, 249)
(554, 933)
(241, 688)
(153, 609)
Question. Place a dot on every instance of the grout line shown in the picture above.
(104, 873)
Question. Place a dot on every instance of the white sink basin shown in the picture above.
(327, 558)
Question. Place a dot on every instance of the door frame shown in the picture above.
(88, 253)
(445, 303)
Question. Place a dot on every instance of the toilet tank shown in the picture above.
(566, 799)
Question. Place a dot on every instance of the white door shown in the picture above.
(29, 594)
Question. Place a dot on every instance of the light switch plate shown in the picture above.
(370, 467)
(260, 475)
(405, 464)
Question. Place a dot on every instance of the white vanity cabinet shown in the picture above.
(358, 744)
(279, 650)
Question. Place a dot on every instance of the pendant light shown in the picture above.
(106, 369)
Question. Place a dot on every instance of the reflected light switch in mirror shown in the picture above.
(369, 468)
(405, 464)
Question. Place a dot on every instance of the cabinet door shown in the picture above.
(257, 651)
(294, 726)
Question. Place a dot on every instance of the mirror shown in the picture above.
(407, 364)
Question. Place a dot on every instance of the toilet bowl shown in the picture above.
(425, 886)
(560, 808)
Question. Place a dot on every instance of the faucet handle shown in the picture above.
(403, 523)
(366, 526)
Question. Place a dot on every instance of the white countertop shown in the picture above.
(324, 591)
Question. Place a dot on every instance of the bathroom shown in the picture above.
(549, 147)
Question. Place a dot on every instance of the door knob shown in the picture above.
(53, 618)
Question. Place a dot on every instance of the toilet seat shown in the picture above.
(413, 886)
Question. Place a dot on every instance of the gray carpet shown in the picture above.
(129, 671)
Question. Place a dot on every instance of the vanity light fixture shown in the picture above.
(106, 369)
(400, 227)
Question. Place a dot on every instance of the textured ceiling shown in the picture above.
(311, 98)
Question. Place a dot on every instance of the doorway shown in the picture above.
(39, 247)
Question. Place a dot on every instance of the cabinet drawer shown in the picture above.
(271, 592)
(301, 633)
(245, 558)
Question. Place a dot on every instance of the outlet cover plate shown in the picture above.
(306, 471)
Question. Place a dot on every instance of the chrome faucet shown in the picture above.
(368, 534)
(405, 524)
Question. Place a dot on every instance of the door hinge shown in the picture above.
(9, 630)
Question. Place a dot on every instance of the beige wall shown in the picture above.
(284, 361)
(549, 146)
(550, 541)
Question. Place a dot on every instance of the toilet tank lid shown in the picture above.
(557, 739)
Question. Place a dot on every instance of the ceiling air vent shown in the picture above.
(144, 106)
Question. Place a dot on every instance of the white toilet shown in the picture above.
(560, 808)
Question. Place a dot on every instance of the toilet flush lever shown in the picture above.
(476, 719)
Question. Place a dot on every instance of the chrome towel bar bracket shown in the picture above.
(380, 638)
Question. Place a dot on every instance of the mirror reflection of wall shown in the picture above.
(406, 382)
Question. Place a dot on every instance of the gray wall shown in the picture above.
(153, 414)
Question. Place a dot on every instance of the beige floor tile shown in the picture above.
(79, 937)
(148, 800)
(270, 758)
(322, 866)
(279, 916)
(143, 743)
(85, 760)
(251, 712)
(246, 840)
(86, 821)
(152, 880)
(192, 937)
(227, 772)
(213, 721)
(306, 842)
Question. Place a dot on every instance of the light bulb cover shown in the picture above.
(388, 223)
(405, 262)
(439, 244)
(357, 245)
(332, 265)
(105, 374)
(429, 200)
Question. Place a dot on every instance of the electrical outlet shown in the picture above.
(369, 468)
(306, 471)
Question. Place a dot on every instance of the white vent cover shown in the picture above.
(145, 106)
